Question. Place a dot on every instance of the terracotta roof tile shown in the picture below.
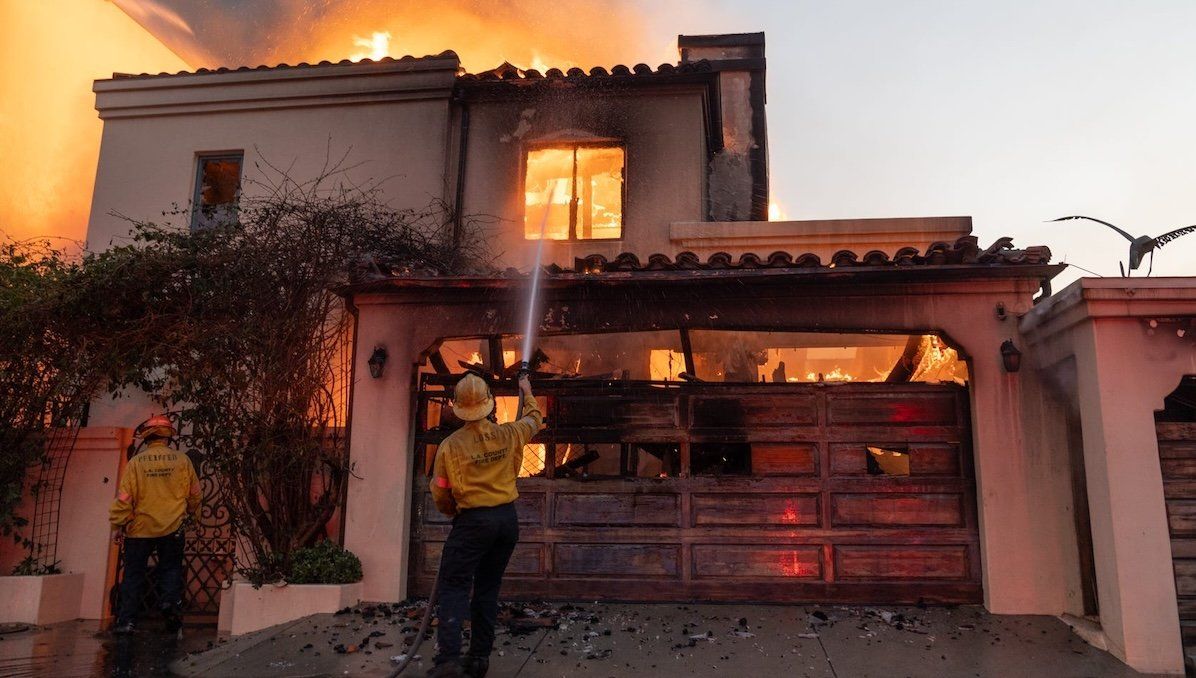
(508, 71)
(963, 252)
(447, 54)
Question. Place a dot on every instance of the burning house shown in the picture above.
(872, 411)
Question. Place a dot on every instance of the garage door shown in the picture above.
(827, 492)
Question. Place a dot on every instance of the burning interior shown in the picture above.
(675, 359)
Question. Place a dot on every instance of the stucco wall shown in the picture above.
(1095, 345)
(1023, 495)
(665, 140)
(390, 126)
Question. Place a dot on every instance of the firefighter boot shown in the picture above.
(476, 667)
(449, 669)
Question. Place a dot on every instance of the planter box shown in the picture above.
(45, 599)
(244, 608)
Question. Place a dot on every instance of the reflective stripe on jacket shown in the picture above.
(477, 464)
(158, 488)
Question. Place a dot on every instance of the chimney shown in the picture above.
(737, 178)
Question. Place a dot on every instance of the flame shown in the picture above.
(776, 211)
(939, 363)
(378, 46)
(538, 63)
(533, 460)
(536, 34)
(836, 374)
(49, 131)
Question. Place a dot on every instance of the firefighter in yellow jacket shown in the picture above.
(158, 490)
(473, 480)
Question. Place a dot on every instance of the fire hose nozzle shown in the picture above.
(525, 369)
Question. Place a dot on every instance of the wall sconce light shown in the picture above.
(377, 361)
(1010, 356)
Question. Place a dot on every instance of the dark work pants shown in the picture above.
(475, 557)
(169, 571)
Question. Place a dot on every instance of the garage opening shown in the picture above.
(1175, 426)
(726, 465)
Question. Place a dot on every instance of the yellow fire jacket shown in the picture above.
(158, 488)
(477, 464)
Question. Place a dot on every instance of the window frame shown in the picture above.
(530, 148)
(197, 183)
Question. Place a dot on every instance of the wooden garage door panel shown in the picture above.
(784, 459)
(528, 558)
(616, 411)
(754, 411)
(779, 510)
(618, 509)
(530, 509)
(924, 459)
(901, 562)
(900, 409)
(1185, 577)
(1179, 468)
(806, 524)
(1181, 517)
(630, 560)
(757, 561)
(893, 509)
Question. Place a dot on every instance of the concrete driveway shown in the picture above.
(685, 640)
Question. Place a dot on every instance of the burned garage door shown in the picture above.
(656, 489)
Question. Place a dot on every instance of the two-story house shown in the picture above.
(820, 411)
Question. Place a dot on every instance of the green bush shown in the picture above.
(324, 563)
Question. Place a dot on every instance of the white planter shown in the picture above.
(244, 608)
(42, 599)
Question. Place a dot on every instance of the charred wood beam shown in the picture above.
(687, 350)
(438, 363)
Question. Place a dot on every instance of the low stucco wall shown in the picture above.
(40, 600)
(83, 543)
(244, 609)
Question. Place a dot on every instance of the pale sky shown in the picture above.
(1013, 112)
(1010, 111)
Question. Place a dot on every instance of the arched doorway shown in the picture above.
(720, 464)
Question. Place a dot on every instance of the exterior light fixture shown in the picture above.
(377, 361)
(1010, 356)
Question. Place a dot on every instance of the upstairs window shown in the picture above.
(587, 201)
(217, 189)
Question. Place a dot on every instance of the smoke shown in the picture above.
(169, 27)
(49, 132)
(484, 33)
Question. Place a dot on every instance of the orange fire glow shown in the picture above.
(49, 131)
(535, 34)
(377, 46)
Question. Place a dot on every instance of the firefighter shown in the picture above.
(158, 490)
(473, 481)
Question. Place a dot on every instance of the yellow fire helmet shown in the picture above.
(472, 400)
(157, 425)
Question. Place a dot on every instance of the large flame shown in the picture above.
(536, 34)
(49, 132)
